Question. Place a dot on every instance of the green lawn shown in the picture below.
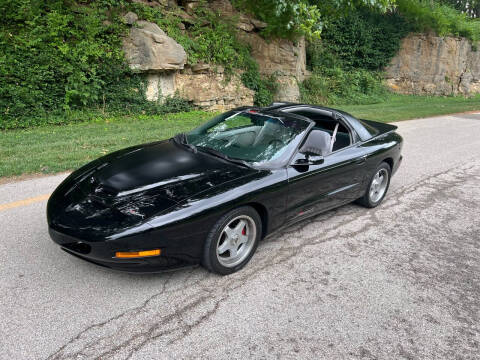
(51, 149)
(403, 107)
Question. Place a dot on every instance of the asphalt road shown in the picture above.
(399, 281)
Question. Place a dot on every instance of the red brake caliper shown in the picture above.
(244, 231)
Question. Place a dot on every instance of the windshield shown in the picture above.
(248, 135)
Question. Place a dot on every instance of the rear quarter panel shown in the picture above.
(385, 147)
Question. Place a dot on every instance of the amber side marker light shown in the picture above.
(135, 254)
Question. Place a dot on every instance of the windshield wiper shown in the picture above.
(182, 140)
(223, 156)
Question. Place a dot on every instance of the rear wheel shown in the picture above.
(377, 187)
(232, 241)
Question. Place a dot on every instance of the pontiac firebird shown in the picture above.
(210, 195)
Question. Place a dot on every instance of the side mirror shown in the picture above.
(308, 161)
(310, 151)
(317, 143)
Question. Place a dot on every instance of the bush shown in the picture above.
(173, 104)
(362, 40)
(264, 86)
(346, 63)
(60, 56)
(340, 87)
(444, 20)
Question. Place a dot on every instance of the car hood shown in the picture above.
(166, 167)
(127, 187)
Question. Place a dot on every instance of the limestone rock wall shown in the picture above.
(432, 65)
(211, 90)
(148, 48)
(207, 89)
(284, 58)
(150, 51)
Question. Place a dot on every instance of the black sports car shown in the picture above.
(210, 195)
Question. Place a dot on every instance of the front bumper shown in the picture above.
(102, 253)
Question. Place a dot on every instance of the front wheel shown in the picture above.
(232, 241)
(377, 187)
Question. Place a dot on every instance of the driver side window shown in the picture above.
(327, 124)
(342, 138)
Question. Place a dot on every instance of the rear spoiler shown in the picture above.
(382, 128)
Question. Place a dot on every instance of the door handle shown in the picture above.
(360, 160)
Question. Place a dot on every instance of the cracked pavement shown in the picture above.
(398, 281)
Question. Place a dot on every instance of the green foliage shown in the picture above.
(363, 39)
(169, 105)
(347, 62)
(264, 86)
(427, 15)
(469, 7)
(337, 86)
(289, 19)
(56, 57)
(60, 56)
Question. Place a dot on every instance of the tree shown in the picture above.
(469, 7)
(290, 18)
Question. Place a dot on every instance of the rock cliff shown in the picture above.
(148, 48)
(432, 65)
(164, 62)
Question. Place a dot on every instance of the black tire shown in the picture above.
(210, 259)
(366, 199)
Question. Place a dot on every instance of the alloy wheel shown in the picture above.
(378, 186)
(236, 241)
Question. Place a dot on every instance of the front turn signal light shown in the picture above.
(135, 254)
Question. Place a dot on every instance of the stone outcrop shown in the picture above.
(211, 90)
(206, 88)
(283, 58)
(148, 48)
(150, 51)
(243, 22)
(428, 64)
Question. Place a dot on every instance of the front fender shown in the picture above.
(185, 226)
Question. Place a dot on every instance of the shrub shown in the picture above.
(264, 86)
(346, 63)
(444, 20)
(173, 104)
(56, 56)
(362, 40)
(340, 87)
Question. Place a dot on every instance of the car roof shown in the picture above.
(352, 121)
(272, 112)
